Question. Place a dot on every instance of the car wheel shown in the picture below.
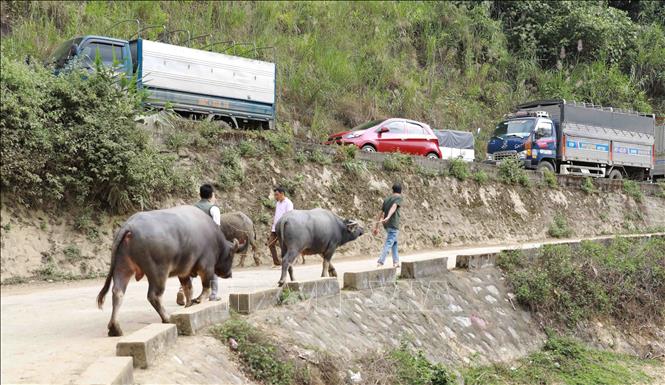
(432, 155)
(615, 174)
(545, 165)
(368, 148)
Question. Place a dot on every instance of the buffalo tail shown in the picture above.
(119, 237)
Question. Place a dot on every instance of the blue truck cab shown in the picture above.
(237, 90)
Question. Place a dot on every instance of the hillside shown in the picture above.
(457, 65)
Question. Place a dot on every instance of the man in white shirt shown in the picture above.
(283, 206)
(208, 206)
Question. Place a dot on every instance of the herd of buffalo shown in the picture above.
(184, 242)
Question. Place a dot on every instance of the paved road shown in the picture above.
(52, 332)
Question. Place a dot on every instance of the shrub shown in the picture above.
(212, 131)
(559, 227)
(427, 172)
(661, 191)
(231, 173)
(71, 139)
(406, 367)
(247, 149)
(512, 172)
(292, 185)
(72, 253)
(550, 179)
(480, 177)
(300, 157)
(319, 157)
(588, 186)
(633, 189)
(397, 162)
(177, 140)
(279, 142)
(345, 153)
(354, 167)
(459, 169)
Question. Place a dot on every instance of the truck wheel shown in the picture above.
(615, 174)
(223, 124)
(368, 148)
(545, 165)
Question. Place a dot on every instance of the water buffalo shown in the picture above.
(182, 241)
(238, 225)
(316, 231)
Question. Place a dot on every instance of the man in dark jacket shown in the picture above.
(389, 217)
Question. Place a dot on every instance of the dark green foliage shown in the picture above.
(559, 227)
(511, 171)
(633, 189)
(355, 167)
(319, 157)
(563, 360)
(231, 173)
(550, 179)
(397, 162)
(480, 177)
(345, 153)
(625, 280)
(459, 169)
(71, 139)
(415, 369)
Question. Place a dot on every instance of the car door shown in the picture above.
(392, 140)
(416, 139)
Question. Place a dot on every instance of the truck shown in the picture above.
(456, 144)
(577, 139)
(658, 172)
(238, 91)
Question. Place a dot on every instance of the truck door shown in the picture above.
(544, 146)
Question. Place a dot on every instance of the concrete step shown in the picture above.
(316, 288)
(424, 268)
(145, 344)
(363, 280)
(108, 371)
(246, 303)
(476, 261)
(191, 319)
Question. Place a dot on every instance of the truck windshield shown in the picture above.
(520, 127)
(64, 52)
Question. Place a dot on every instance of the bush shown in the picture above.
(397, 162)
(300, 157)
(354, 167)
(406, 367)
(512, 172)
(247, 149)
(319, 157)
(559, 227)
(232, 173)
(212, 131)
(480, 177)
(566, 285)
(459, 169)
(345, 153)
(71, 139)
(633, 189)
(177, 140)
(550, 179)
(588, 186)
(279, 142)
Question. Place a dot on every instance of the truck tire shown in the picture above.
(615, 174)
(545, 165)
(368, 148)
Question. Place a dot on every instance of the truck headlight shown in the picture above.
(490, 156)
(522, 154)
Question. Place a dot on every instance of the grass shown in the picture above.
(397, 162)
(632, 189)
(459, 169)
(289, 297)
(319, 157)
(550, 179)
(247, 149)
(72, 253)
(404, 366)
(480, 177)
(512, 172)
(563, 360)
(559, 227)
(355, 167)
(565, 285)
(231, 173)
(588, 186)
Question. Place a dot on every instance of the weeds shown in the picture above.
(268, 203)
(512, 172)
(632, 189)
(345, 153)
(72, 253)
(588, 186)
(292, 185)
(231, 173)
(397, 162)
(319, 157)
(289, 297)
(355, 167)
(279, 142)
(559, 227)
(247, 149)
(550, 179)
(300, 157)
(480, 177)
(177, 140)
(562, 360)
(459, 169)
(406, 367)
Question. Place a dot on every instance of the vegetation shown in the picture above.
(403, 366)
(480, 177)
(346, 153)
(567, 285)
(633, 189)
(248, 149)
(512, 172)
(319, 157)
(231, 173)
(459, 169)
(559, 227)
(397, 162)
(550, 179)
(588, 186)
(289, 297)
(563, 360)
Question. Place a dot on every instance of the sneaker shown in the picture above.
(214, 298)
(396, 265)
(180, 298)
(379, 265)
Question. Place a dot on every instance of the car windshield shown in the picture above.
(367, 125)
(520, 127)
(65, 51)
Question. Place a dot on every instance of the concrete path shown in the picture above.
(52, 332)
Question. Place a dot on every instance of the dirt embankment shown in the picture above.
(438, 212)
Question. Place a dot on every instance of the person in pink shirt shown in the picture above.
(283, 206)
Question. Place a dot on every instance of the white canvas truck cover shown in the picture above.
(176, 68)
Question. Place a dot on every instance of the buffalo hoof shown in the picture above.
(115, 331)
(280, 283)
(196, 300)
(180, 298)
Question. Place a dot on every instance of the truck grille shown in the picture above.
(503, 155)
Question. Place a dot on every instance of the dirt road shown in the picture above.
(52, 332)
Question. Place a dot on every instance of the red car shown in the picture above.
(391, 135)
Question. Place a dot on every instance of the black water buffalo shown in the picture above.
(316, 231)
(182, 241)
(237, 225)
